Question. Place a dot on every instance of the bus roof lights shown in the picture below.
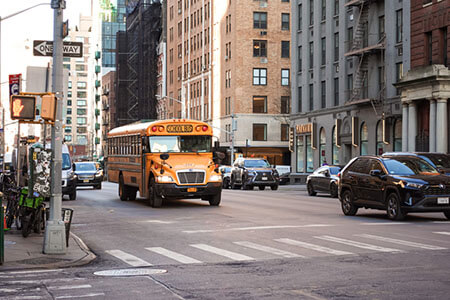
(161, 128)
(205, 128)
(154, 128)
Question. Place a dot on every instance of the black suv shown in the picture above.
(250, 172)
(397, 184)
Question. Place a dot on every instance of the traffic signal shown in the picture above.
(48, 108)
(23, 107)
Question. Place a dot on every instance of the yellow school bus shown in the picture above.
(167, 159)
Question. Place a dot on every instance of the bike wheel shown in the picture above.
(26, 225)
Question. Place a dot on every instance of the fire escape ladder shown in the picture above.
(360, 39)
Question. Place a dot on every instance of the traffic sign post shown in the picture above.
(45, 48)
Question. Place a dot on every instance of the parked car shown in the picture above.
(88, 174)
(226, 176)
(324, 179)
(398, 184)
(249, 172)
(440, 161)
(284, 172)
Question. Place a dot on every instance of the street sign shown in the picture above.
(14, 84)
(23, 107)
(45, 48)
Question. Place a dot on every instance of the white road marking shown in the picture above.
(313, 247)
(80, 296)
(442, 232)
(257, 228)
(44, 281)
(32, 271)
(173, 255)
(27, 297)
(69, 287)
(128, 258)
(222, 252)
(386, 223)
(401, 242)
(9, 290)
(268, 249)
(441, 222)
(159, 222)
(356, 244)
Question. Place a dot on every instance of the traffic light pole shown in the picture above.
(55, 234)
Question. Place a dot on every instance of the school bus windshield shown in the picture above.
(180, 144)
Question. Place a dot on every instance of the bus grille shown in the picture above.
(191, 177)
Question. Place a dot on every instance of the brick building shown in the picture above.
(426, 87)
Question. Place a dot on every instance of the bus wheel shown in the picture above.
(132, 193)
(122, 189)
(215, 199)
(155, 199)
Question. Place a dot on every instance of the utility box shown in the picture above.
(48, 107)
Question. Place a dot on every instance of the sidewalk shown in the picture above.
(24, 253)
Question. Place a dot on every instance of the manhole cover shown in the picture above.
(130, 272)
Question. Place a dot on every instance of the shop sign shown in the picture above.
(304, 128)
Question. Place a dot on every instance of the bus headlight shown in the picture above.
(215, 178)
(165, 179)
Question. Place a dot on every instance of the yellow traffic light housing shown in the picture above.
(23, 107)
(48, 107)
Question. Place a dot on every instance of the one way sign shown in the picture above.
(45, 48)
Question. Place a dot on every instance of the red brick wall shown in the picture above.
(429, 18)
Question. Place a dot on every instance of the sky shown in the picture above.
(18, 33)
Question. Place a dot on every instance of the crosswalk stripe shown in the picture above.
(313, 247)
(442, 232)
(80, 296)
(128, 258)
(173, 255)
(356, 244)
(32, 271)
(400, 242)
(268, 249)
(44, 281)
(70, 287)
(27, 297)
(222, 252)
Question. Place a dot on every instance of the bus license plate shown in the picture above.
(86, 180)
(192, 190)
(441, 200)
(264, 178)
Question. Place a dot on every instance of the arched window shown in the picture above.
(364, 139)
(322, 146)
(380, 144)
(398, 135)
(335, 148)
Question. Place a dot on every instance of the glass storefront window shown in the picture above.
(300, 155)
(380, 144)
(364, 140)
(398, 135)
(335, 148)
(309, 155)
(322, 145)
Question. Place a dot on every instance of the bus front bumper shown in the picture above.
(172, 190)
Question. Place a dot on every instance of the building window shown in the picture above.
(300, 61)
(259, 76)
(284, 132)
(284, 21)
(68, 120)
(81, 129)
(69, 102)
(336, 91)
(300, 154)
(380, 145)
(81, 102)
(381, 79)
(68, 138)
(300, 16)
(259, 48)
(381, 28)
(399, 26)
(228, 105)
(81, 121)
(364, 139)
(398, 135)
(335, 148)
(81, 94)
(311, 12)
(299, 104)
(81, 85)
(322, 147)
(81, 139)
(309, 155)
(69, 111)
(323, 51)
(285, 105)
(285, 77)
(311, 55)
(336, 46)
(285, 49)
(311, 97)
(81, 111)
(398, 73)
(80, 67)
(69, 94)
(336, 7)
(259, 104)
(260, 132)
(349, 85)
(260, 20)
(429, 49)
(69, 85)
(444, 47)
(323, 94)
(324, 10)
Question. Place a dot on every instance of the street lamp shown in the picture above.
(183, 110)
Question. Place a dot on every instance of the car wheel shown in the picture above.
(393, 208)
(310, 189)
(261, 187)
(348, 208)
(226, 183)
(73, 195)
(447, 214)
(334, 190)
(274, 187)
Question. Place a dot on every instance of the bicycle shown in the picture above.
(32, 213)
(11, 194)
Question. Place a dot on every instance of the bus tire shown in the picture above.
(132, 193)
(122, 189)
(215, 199)
(155, 200)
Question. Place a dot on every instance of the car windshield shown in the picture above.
(177, 144)
(334, 170)
(227, 170)
(66, 161)
(440, 160)
(409, 166)
(86, 167)
(256, 163)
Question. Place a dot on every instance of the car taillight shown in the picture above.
(339, 175)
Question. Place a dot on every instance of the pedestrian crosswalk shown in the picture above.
(309, 247)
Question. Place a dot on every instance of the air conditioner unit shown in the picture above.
(226, 57)
(264, 60)
(263, 32)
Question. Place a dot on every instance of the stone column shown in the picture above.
(412, 126)
(405, 127)
(432, 125)
(441, 126)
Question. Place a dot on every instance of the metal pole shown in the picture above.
(18, 155)
(232, 139)
(3, 139)
(55, 234)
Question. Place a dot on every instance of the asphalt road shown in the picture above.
(257, 245)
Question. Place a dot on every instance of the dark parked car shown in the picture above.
(397, 184)
(250, 172)
(440, 161)
(88, 174)
(324, 179)
(226, 176)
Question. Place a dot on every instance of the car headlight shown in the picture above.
(414, 185)
(165, 179)
(215, 178)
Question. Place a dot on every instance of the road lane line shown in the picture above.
(442, 232)
(356, 244)
(222, 252)
(173, 255)
(257, 228)
(80, 296)
(267, 249)
(69, 287)
(400, 242)
(128, 258)
(313, 247)
(386, 223)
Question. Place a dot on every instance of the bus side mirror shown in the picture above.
(164, 156)
(73, 167)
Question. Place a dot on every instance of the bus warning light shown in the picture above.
(205, 127)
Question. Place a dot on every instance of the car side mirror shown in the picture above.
(375, 173)
(164, 156)
(73, 167)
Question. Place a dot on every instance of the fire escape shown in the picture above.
(362, 46)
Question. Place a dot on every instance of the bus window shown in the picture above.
(179, 144)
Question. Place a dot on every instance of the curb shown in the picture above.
(90, 256)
